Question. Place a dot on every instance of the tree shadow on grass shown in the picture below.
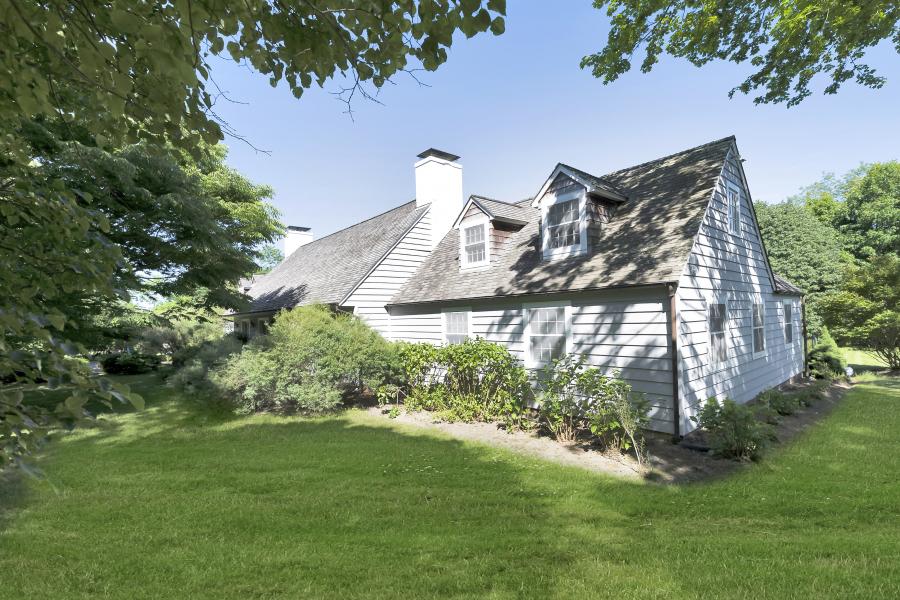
(318, 506)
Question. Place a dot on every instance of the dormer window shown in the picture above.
(474, 239)
(563, 225)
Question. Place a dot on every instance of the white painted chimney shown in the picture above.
(296, 237)
(439, 183)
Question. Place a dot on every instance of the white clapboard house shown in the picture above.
(656, 270)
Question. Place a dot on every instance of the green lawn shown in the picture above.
(861, 360)
(163, 504)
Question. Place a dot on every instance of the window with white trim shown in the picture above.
(563, 224)
(456, 327)
(547, 333)
(475, 244)
(759, 329)
(718, 343)
(734, 210)
(788, 322)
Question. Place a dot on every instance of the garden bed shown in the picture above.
(669, 463)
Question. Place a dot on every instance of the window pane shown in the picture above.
(475, 247)
(563, 225)
(759, 339)
(457, 322)
(716, 317)
(718, 350)
(475, 254)
(548, 321)
(455, 338)
(757, 315)
(545, 348)
(788, 322)
(474, 234)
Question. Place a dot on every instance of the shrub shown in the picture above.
(182, 340)
(129, 363)
(194, 376)
(475, 380)
(563, 405)
(781, 403)
(733, 430)
(826, 361)
(576, 398)
(312, 359)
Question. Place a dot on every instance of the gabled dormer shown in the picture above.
(485, 228)
(574, 208)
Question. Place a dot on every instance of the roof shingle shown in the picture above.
(648, 241)
(327, 269)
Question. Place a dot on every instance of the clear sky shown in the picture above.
(513, 106)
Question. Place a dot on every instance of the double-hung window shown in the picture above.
(734, 210)
(547, 334)
(563, 225)
(456, 327)
(788, 323)
(475, 244)
(759, 329)
(718, 343)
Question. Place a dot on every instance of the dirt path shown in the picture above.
(669, 463)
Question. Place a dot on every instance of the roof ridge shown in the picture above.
(667, 156)
(381, 214)
(480, 197)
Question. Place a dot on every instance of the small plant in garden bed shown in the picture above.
(781, 403)
(733, 429)
(576, 398)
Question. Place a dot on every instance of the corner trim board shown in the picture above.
(673, 349)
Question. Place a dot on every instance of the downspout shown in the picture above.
(805, 349)
(673, 352)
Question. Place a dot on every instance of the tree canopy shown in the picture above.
(804, 250)
(865, 311)
(863, 206)
(788, 43)
(118, 85)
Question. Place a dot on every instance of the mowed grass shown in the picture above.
(861, 360)
(169, 504)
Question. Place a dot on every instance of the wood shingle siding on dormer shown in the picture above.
(564, 184)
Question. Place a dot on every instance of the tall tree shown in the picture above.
(804, 250)
(112, 74)
(864, 207)
(788, 42)
(865, 311)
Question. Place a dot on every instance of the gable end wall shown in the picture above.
(730, 268)
(369, 298)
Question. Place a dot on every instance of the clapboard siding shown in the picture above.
(369, 298)
(731, 268)
(622, 331)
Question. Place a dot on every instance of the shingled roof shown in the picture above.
(502, 211)
(783, 286)
(327, 269)
(648, 241)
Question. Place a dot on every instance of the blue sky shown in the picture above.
(513, 106)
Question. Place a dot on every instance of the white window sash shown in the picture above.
(451, 335)
(484, 224)
(563, 251)
(758, 327)
(530, 333)
(718, 339)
